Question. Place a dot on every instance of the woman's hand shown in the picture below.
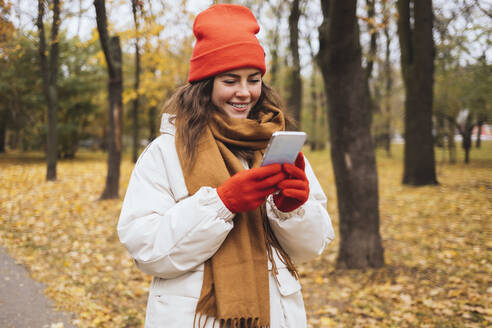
(294, 190)
(247, 190)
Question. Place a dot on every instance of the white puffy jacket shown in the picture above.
(170, 234)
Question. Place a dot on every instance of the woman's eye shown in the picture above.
(254, 81)
(229, 81)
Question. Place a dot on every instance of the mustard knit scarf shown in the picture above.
(235, 290)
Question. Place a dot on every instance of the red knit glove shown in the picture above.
(247, 190)
(294, 191)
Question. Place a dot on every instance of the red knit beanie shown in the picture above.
(225, 40)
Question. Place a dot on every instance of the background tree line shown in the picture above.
(337, 64)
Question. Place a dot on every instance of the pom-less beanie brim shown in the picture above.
(229, 57)
(225, 41)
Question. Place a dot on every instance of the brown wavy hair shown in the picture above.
(191, 109)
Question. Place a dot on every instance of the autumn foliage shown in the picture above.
(436, 239)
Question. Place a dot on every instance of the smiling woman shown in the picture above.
(218, 233)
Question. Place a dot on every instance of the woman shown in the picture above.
(219, 234)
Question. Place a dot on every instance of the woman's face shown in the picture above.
(237, 91)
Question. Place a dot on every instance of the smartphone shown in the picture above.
(283, 147)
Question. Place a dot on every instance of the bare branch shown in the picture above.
(371, 12)
(55, 27)
(486, 12)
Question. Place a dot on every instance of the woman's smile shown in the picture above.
(239, 107)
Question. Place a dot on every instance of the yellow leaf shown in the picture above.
(327, 322)
(378, 313)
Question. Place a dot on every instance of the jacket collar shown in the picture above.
(166, 127)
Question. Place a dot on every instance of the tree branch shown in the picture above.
(45, 74)
(102, 27)
(42, 38)
(55, 27)
(488, 13)
(374, 35)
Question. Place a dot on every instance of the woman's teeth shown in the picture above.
(240, 106)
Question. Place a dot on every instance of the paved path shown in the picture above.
(22, 302)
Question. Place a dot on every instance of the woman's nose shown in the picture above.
(242, 91)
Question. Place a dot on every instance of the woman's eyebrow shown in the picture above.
(236, 75)
(229, 75)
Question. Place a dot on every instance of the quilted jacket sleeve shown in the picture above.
(304, 232)
(168, 237)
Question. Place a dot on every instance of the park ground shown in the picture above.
(437, 242)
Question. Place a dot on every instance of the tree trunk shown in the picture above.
(49, 71)
(373, 45)
(324, 126)
(137, 83)
(352, 147)
(450, 128)
(274, 66)
(466, 134)
(295, 94)
(14, 139)
(417, 64)
(467, 155)
(451, 143)
(466, 144)
(440, 131)
(112, 53)
(478, 143)
(314, 112)
(275, 62)
(388, 88)
(3, 129)
(314, 100)
(371, 56)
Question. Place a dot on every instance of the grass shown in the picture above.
(437, 242)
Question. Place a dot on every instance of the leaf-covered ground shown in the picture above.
(437, 244)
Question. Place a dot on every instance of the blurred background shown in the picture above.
(395, 97)
(164, 38)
